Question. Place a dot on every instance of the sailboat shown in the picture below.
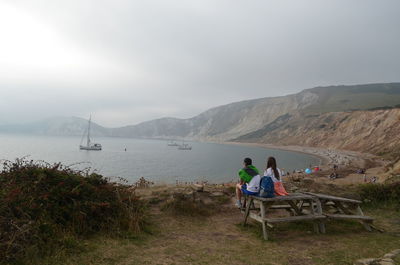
(172, 143)
(89, 145)
(184, 146)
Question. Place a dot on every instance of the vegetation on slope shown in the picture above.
(378, 194)
(188, 236)
(355, 97)
(46, 207)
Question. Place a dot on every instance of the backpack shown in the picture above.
(267, 187)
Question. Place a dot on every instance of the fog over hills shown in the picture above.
(62, 126)
(250, 120)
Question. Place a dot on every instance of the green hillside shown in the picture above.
(357, 97)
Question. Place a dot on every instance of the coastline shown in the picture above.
(326, 155)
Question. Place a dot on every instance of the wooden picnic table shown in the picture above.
(307, 206)
(335, 207)
(303, 207)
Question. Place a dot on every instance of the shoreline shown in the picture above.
(327, 156)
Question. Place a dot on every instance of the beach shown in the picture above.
(327, 156)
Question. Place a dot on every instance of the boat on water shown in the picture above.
(172, 143)
(89, 145)
(184, 146)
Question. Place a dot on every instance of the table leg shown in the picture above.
(319, 212)
(365, 224)
(246, 214)
(264, 226)
(315, 222)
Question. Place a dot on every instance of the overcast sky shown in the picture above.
(127, 61)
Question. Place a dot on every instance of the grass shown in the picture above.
(186, 205)
(193, 204)
(357, 97)
(206, 229)
(221, 239)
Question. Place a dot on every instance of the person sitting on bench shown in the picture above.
(249, 181)
(276, 176)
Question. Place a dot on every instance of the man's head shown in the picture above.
(247, 162)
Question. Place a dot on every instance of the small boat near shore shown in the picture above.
(172, 143)
(184, 146)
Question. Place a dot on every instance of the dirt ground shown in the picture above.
(220, 238)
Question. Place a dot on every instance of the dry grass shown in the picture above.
(221, 239)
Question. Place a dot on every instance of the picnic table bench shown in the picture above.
(335, 207)
(313, 207)
(296, 203)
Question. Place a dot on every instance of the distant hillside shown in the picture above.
(358, 97)
(222, 122)
(374, 131)
(240, 118)
(57, 126)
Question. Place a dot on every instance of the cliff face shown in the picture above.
(375, 131)
(224, 122)
(344, 117)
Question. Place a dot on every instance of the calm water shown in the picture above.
(152, 159)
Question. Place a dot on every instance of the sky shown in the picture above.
(128, 61)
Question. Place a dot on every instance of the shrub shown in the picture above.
(377, 193)
(42, 204)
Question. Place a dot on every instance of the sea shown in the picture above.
(152, 159)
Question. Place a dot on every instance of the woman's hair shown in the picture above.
(271, 163)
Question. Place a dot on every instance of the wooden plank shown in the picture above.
(296, 197)
(255, 217)
(364, 223)
(258, 218)
(332, 198)
(295, 218)
(295, 208)
(340, 206)
(263, 213)
(345, 216)
(319, 212)
(315, 223)
(280, 206)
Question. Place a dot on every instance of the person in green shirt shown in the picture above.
(249, 181)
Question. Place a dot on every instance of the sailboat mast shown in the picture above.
(88, 134)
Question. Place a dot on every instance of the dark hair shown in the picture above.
(247, 161)
(271, 163)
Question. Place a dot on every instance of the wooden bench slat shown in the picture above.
(295, 218)
(280, 207)
(333, 198)
(345, 216)
(283, 198)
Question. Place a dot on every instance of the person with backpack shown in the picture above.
(275, 174)
(249, 181)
